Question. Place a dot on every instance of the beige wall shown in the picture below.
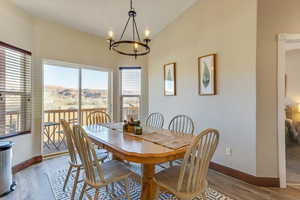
(48, 40)
(293, 77)
(17, 29)
(274, 17)
(227, 28)
(57, 42)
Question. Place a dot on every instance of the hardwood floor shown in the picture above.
(33, 184)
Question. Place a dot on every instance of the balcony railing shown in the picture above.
(12, 122)
(53, 137)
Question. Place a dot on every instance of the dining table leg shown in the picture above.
(148, 184)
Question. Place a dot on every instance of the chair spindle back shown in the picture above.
(70, 141)
(98, 117)
(155, 120)
(182, 124)
(87, 155)
(196, 161)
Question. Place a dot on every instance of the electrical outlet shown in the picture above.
(228, 151)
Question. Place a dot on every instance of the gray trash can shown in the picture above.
(6, 179)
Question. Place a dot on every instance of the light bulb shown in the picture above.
(147, 33)
(136, 45)
(110, 34)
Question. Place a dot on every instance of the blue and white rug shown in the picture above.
(57, 181)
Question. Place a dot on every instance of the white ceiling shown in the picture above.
(100, 16)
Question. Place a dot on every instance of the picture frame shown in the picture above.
(170, 79)
(207, 75)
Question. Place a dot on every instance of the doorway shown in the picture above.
(71, 92)
(286, 110)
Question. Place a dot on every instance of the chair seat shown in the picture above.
(113, 171)
(168, 179)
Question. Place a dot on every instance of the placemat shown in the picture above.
(172, 140)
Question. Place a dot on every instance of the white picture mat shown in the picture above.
(209, 60)
(170, 81)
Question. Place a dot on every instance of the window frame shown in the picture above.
(140, 96)
(80, 67)
(18, 93)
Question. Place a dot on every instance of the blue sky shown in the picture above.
(68, 77)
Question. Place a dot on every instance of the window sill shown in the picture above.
(14, 135)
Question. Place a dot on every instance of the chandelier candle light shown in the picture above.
(134, 47)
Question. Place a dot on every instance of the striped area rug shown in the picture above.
(57, 181)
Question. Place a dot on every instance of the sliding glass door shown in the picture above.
(71, 93)
(94, 92)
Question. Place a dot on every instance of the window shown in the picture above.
(15, 91)
(130, 92)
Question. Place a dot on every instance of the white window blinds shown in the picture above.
(130, 92)
(15, 90)
(131, 80)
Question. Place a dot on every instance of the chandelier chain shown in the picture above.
(136, 28)
(125, 28)
(133, 29)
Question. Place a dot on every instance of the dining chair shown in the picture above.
(189, 180)
(74, 161)
(155, 120)
(98, 175)
(182, 124)
(98, 117)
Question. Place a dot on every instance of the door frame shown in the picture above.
(282, 41)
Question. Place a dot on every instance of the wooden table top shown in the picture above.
(132, 148)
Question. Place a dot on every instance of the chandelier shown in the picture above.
(134, 47)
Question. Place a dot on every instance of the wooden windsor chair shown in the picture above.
(98, 175)
(98, 117)
(189, 180)
(155, 120)
(74, 161)
(181, 124)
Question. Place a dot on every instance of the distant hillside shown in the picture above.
(71, 92)
(56, 97)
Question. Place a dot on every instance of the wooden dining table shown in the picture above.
(126, 146)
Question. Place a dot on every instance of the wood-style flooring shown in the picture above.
(33, 184)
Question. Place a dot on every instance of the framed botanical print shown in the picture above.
(170, 79)
(207, 75)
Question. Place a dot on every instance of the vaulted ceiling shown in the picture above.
(100, 16)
